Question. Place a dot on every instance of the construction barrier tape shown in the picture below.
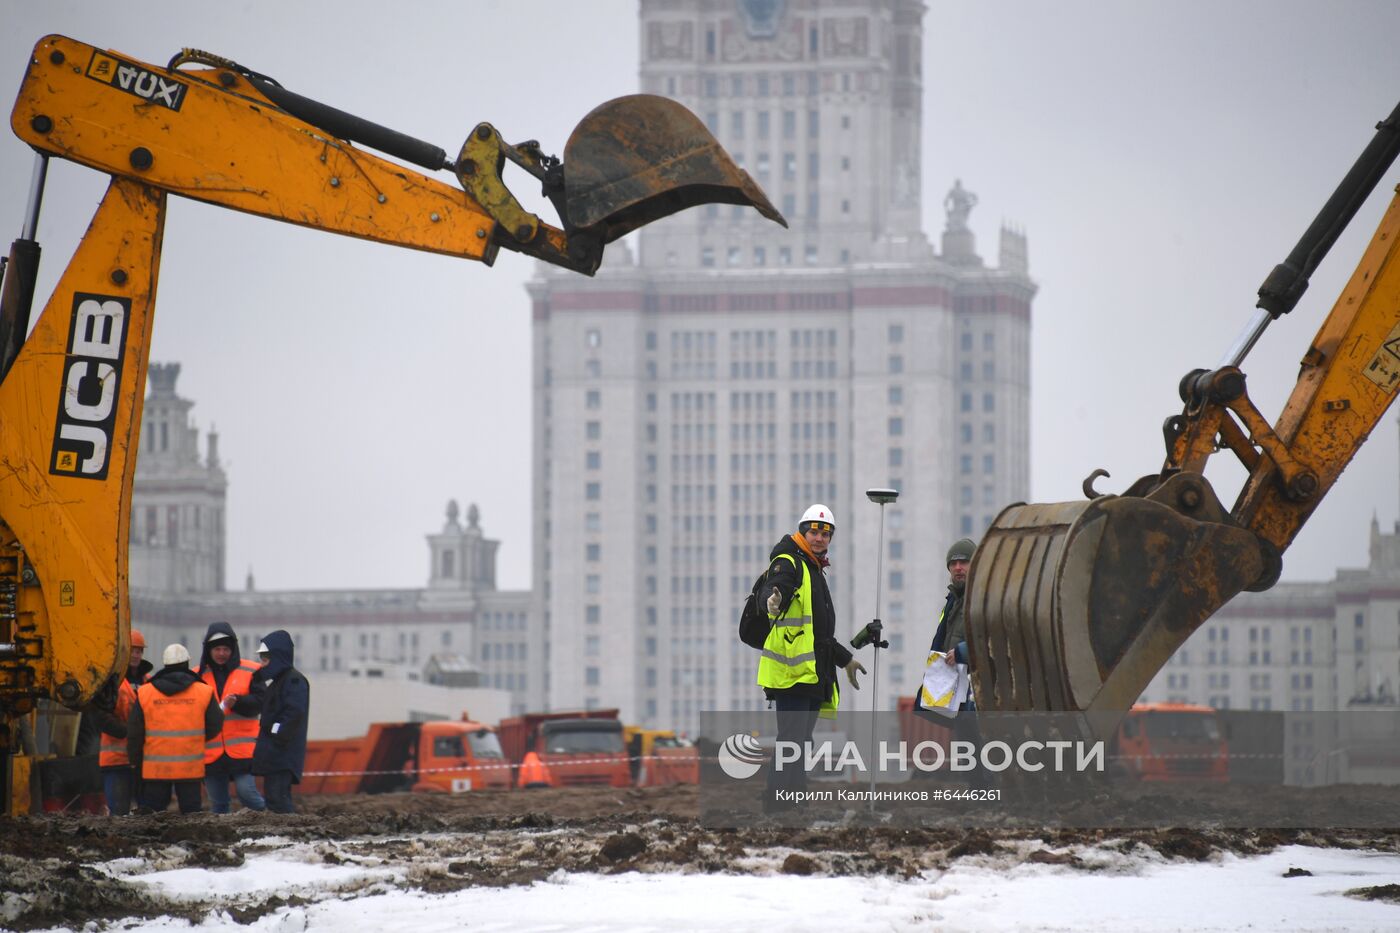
(597, 761)
(562, 763)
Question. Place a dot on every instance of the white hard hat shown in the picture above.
(175, 654)
(817, 513)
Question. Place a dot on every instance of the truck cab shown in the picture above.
(659, 757)
(459, 756)
(577, 747)
(1171, 742)
(448, 756)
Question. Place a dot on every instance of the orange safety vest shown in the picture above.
(240, 733)
(535, 773)
(112, 752)
(174, 747)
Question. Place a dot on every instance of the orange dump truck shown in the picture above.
(571, 748)
(431, 757)
(1171, 742)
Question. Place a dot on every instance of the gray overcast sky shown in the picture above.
(1160, 156)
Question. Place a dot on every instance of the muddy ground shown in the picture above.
(50, 874)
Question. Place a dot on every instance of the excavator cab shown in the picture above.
(1075, 606)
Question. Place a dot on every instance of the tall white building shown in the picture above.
(692, 401)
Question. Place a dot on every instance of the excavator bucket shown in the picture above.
(1075, 606)
(640, 158)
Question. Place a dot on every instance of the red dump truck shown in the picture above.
(447, 756)
(576, 747)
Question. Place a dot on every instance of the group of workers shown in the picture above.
(233, 719)
(229, 721)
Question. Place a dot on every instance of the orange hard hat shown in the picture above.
(137, 639)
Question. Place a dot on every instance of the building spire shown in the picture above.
(161, 377)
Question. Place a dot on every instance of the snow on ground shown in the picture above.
(1111, 892)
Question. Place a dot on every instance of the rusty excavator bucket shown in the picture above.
(631, 161)
(1075, 606)
(639, 158)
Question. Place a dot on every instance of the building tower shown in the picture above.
(461, 559)
(177, 499)
(692, 401)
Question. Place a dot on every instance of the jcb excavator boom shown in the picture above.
(1077, 605)
(210, 129)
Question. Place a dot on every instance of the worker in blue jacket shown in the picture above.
(280, 753)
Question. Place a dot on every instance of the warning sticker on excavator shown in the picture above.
(1384, 368)
(65, 593)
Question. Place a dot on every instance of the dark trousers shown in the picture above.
(797, 717)
(155, 795)
(277, 791)
(116, 787)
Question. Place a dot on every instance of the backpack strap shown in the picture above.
(787, 602)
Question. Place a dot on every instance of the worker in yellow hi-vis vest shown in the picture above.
(797, 666)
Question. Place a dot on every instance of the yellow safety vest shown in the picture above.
(789, 655)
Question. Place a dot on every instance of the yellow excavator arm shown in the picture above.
(1075, 606)
(207, 128)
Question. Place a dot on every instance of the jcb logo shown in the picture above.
(137, 81)
(92, 375)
